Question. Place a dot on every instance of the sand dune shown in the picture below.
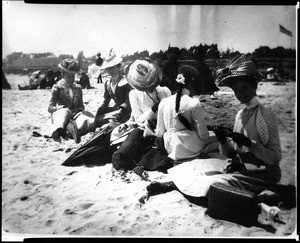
(42, 198)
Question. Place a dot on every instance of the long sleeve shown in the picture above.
(199, 122)
(126, 103)
(137, 115)
(160, 127)
(54, 98)
(106, 96)
(80, 101)
(270, 153)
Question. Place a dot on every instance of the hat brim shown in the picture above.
(133, 84)
(112, 63)
(227, 80)
(66, 70)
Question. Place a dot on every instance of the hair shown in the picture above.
(181, 118)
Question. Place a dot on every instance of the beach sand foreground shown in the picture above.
(42, 198)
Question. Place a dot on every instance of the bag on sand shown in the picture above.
(233, 204)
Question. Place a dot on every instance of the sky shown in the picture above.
(68, 29)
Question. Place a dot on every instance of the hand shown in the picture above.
(241, 139)
(155, 107)
(159, 143)
(122, 127)
(220, 135)
(234, 167)
(120, 114)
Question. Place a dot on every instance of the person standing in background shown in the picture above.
(170, 69)
(99, 62)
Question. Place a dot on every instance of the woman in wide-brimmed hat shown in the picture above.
(255, 138)
(117, 89)
(144, 76)
(66, 105)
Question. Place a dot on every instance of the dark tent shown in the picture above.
(5, 84)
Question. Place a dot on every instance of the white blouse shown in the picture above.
(141, 103)
(180, 142)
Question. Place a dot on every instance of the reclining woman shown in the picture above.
(66, 105)
(254, 145)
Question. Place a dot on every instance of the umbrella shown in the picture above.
(97, 151)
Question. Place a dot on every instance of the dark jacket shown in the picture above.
(121, 96)
(170, 70)
(99, 61)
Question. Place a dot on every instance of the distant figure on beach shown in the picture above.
(49, 80)
(99, 62)
(66, 105)
(170, 69)
(117, 89)
(85, 81)
(5, 83)
(254, 145)
(144, 76)
(207, 84)
(34, 81)
(270, 74)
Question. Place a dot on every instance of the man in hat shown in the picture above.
(170, 69)
(116, 88)
(99, 62)
(206, 86)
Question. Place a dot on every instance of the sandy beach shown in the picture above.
(41, 198)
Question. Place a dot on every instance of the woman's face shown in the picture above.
(68, 76)
(243, 91)
(112, 71)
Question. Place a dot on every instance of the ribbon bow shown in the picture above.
(180, 79)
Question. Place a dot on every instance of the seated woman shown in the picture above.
(66, 105)
(180, 120)
(254, 145)
(117, 89)
(144, 76)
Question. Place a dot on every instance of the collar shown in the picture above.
(185, 91)
(252, 103)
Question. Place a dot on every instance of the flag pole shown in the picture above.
(278, 38)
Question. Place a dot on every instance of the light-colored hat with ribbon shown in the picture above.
(239, 66)
(111, 60)
(69, 66)
(143, 75)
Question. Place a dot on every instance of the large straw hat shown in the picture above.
(111, 60)
(69, 66)
(239, 66)
(143, 75)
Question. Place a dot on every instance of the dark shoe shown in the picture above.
(160, 187)
(57, 134)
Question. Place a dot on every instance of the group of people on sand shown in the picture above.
(165, 126)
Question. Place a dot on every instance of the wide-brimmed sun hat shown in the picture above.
(69, 66)
(143, 75)
(111, 60)
(240, 66)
